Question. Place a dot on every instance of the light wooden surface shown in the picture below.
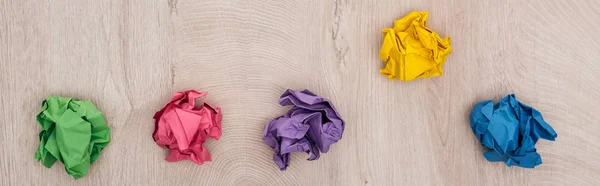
(129, 56)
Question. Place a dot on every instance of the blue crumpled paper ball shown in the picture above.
(510, 129)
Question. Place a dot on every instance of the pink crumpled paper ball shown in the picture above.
(182, 127)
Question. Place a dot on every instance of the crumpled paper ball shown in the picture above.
(312, 125)
(510, 130)
(182, 128)
(410, 50)
(74, 132)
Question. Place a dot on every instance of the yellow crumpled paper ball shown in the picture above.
(411, 50)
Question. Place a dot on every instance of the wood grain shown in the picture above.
(129, 56)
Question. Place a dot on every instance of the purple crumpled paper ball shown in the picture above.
(311, 126)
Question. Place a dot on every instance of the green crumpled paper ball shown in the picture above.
(73, 132)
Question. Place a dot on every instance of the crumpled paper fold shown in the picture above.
(74, 132)
(411, 51)
(510, 129)
(312, 125)
(182, 128)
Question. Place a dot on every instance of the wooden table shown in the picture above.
(128, 57)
